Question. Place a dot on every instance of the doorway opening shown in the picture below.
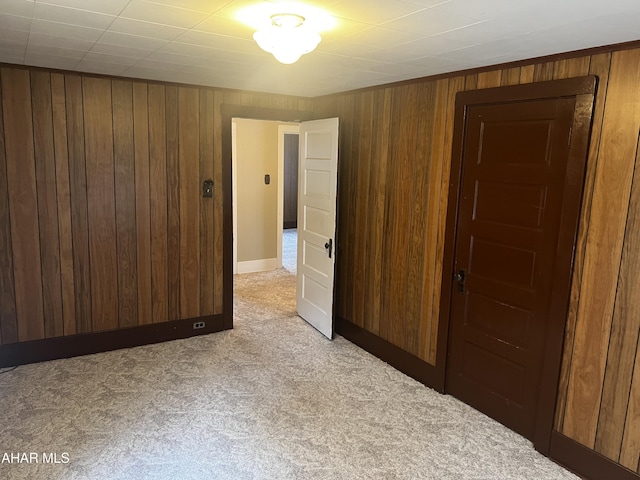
(318, 162)
(265, 176)
(288, 153)
(264, 167)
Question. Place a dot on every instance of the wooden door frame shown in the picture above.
(227, 113)
(283, 130)
(583, 89)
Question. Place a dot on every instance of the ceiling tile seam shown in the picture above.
(407, 62)
(115, 17)
(34, 44)
(408, 15)
(208, 14)
(57, 5)
(363, 22)
(191, 29)
(459, 28)
(26, 47)
(212, 14)
(368, 59)
(151, 52)
(429, 8)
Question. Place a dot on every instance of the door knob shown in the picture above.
(329, 246)
(459, 277)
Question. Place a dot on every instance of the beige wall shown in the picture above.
(257, 155)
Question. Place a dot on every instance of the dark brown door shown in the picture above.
(514, 167)
(290, 213)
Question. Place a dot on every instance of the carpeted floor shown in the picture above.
(272, 399)
(290, 249)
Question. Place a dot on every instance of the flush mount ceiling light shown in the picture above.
(287, 38)
(286, 30)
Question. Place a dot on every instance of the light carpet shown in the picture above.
(290, 249)
(271, 399)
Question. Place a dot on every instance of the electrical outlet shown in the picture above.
(198, 325)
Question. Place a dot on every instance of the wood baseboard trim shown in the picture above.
(263, 265)
(396, 357)
(585, 462)
(84, 344)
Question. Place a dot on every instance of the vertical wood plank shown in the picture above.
(489, 79)
(65, 235)
(543, 72)
(98, 130)
(158, 206)
(623, 345)
(380, 150)
(47, 202)
(79, 215)
(604, 245)
(527, 73)
(143, 214)
(599, 66)
(173, 204)
(125, 191)
(510, 76)
(218, 239)
(189, 153)
(352, 105)
(8, 319)
(372, 233)
(630, 448)
(345, 209)
(361, 253)
(471, 82)
(403, 160)
(436, 180)
(395, 112)
(455, 85)
(23, 202)
(419, 209)
(571, 67)
(207, 261)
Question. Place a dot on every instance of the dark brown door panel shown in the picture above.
(516, 159)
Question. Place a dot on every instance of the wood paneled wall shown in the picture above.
(394, 169)
(102, 224)
(395, 147)
(102, 220)
(600, 396)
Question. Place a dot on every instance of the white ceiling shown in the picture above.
(375, 41)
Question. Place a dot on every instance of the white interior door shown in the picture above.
(317, 185)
